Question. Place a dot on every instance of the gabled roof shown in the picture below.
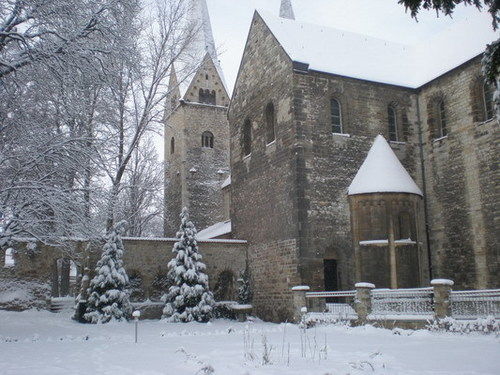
(382, 172)
(359, 56)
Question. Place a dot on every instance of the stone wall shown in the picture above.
(462, 177)
(146, 258)
(332, 160)
(389, 217)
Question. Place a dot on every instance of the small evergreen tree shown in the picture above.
(188, 299)
(244, 288)
(108, 297)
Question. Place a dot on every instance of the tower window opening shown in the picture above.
(172, 145)
(207, 139)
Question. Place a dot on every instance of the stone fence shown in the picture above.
(409, 308)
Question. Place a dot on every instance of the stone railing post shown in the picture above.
(442, 293)
(299, 302)
(363, 301)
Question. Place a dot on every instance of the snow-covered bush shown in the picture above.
(188, 299)
(23, 294)
(108, 297)
(482, 325)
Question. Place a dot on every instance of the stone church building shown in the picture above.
(339, 158)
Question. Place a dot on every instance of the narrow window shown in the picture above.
(336, 116)
(9, 258)
(172, 145)
(489, 108)
(442, 118)
(393, 128)
(201, 96)
(212, 97)
(247, 138)
(207, 139)
(270, 123)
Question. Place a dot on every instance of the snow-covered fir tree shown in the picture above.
(108, 298)
(244, 289)
(189, 298)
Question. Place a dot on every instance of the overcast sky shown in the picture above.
(384, 19)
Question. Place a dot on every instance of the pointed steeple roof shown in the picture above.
(204, 42)
(174, 93)
(382, 172)
(286, 10)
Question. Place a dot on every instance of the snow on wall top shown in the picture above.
(216, 230)
(226, 182)
(360, 56)
(382, 172)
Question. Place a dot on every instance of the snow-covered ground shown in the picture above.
(38, 342)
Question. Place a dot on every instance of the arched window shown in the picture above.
(207, 139)
(201, 96)
(9, 260)
(489, 108)
(336, 116)
(206, 96)
(172, 145)
(440, 110)
(270, 123)
(247, 137)
(392, 122)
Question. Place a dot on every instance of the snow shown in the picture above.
(43, 343)
(382, 172)
(373, 242)
(360, 56)
(364, 285)
(301, 288)
(216, 230)
(405, 241)
(442, 282)
(226, 182)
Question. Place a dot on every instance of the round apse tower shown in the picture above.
(386, 208)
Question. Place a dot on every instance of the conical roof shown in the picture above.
(382, 172)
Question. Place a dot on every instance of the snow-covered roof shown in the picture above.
(226, 182)
(216, 230)
(382, 172)
(360, 56)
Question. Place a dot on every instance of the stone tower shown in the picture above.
(197, 136)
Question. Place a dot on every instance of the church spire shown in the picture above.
(286, 10)
(205, 40)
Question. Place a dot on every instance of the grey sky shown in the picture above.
(384, 19)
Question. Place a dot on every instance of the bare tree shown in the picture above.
(139, 90)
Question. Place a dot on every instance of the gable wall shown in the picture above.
(263, 190)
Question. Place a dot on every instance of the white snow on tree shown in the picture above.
(244, 289)
(189, 298)
(108, 298)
